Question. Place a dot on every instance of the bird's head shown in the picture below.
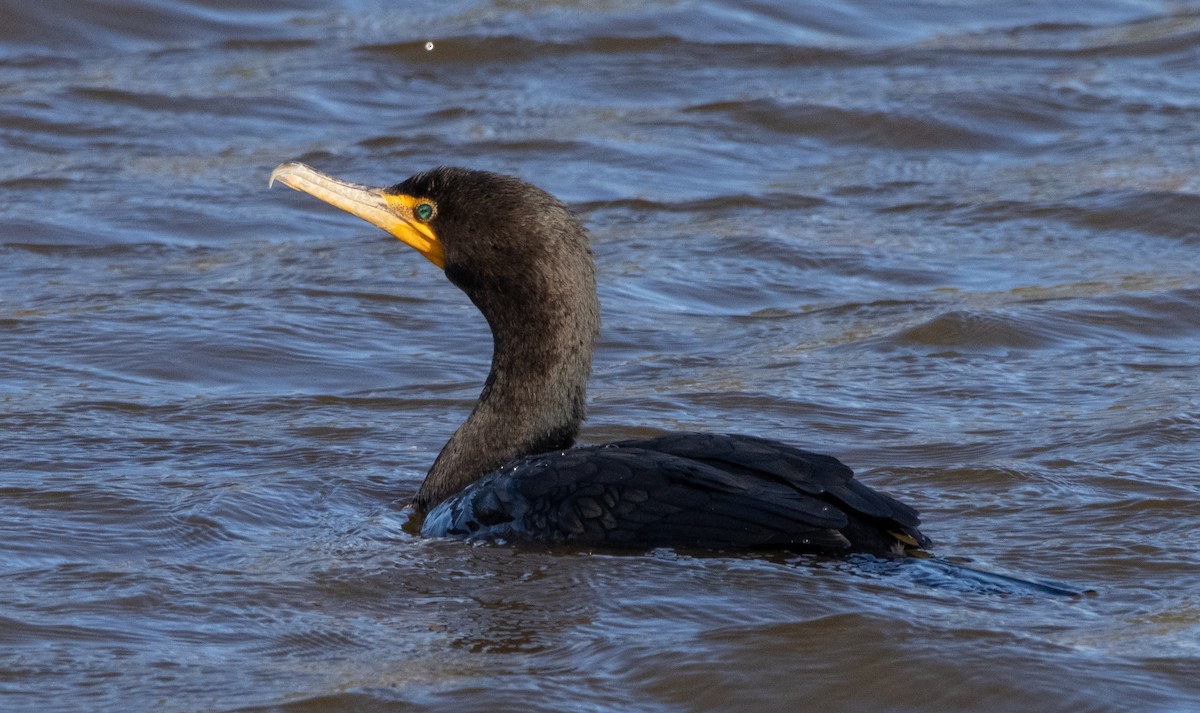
(487, 231)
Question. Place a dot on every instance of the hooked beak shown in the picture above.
(392, 212)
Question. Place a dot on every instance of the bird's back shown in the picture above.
(682, 490)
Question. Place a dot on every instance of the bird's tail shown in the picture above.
(943, 573)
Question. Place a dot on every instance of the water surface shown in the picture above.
(952, 243)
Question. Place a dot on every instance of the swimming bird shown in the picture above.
(512, 470)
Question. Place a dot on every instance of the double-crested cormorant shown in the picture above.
(510, 470)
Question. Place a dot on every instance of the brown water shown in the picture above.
(953, 243)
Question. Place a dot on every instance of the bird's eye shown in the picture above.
(423, 211)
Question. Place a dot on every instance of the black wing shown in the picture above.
(684, 489)
(808, 472)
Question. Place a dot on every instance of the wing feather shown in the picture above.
(684, 489)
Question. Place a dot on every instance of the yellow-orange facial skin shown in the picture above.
(394, 213)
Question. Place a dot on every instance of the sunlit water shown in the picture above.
(952, 243)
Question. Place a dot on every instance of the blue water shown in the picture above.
(953, 244)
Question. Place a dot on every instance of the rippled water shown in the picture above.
(953, 243)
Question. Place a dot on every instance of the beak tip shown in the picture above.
(282, 171)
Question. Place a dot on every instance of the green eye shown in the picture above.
(423, 211)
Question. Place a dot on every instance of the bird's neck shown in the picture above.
(533, 400)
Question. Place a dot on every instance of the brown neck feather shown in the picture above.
(544, 333)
